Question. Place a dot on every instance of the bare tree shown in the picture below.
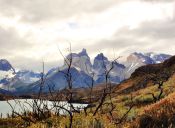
(69, 90)
(107, 92)
(38, 105)
(91, 87)
(107, 88)
(159, 79)
(117, 121)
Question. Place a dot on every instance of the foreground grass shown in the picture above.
(146, 113)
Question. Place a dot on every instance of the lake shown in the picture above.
(21, 105)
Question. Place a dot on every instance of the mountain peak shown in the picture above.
(83, 52)
(5, 65)
(101, 56)
(140, 54)
(100, 61)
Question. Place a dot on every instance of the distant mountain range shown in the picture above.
(81, 70)
(10, 79)
(136, 60)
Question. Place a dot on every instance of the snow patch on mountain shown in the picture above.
(6, 74)
(28, 76)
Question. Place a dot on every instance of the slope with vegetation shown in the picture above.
(145, 100)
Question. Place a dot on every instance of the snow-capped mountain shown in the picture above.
(6, 72)
(136, 60)
(157, 58)
(82, 67)
(10, 79)
(81, 71)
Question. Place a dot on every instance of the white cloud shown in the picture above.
(36, 28)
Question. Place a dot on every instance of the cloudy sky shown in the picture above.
(32, 31)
